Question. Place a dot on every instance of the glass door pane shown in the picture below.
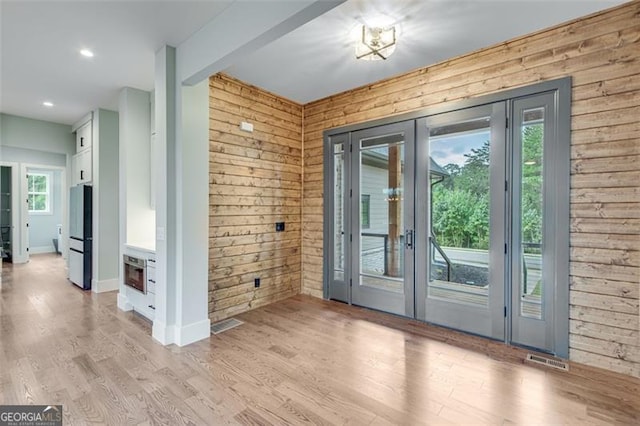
(382, 217)
(530, 199)
(461, 178)
(535, 228)
(382, 179)
(338, 214)
(459, 156)
(338, 208)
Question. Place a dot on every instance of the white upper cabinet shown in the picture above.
(82, 168)
(81, 162)
(83, 137)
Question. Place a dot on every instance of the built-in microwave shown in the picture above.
(135, 273)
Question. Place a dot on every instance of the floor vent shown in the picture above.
(560, 365)
(225, 325)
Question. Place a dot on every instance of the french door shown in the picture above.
(457, 218)
(373, 218)
(461, 219)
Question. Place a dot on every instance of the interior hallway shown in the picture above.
(302, 360)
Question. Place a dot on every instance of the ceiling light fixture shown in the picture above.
(87, 53)
(376, 43)
(47, 104)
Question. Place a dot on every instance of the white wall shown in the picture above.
(36, 135)
(165, 127)
(21, 155)
(26, 141)
(192, 158)
(106, 241)
(139, 219)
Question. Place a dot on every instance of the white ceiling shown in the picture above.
(317, 59)
(40, 43)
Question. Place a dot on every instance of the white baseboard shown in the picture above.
(164, 334)
(123, 303)
(193, 332)
(41, 250)
(103, 286)
(19, 259)
(181, 336)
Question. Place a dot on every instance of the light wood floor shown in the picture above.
(299, 361)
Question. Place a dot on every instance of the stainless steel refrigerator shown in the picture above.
(80, 236)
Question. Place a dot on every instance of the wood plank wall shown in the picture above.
(601, 52)
(255, 180)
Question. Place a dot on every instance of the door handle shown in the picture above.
(408, 238)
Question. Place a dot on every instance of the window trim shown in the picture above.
(366, 197)
(49, 202)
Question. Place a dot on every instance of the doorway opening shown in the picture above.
(8, 210)
(43, 216)
(44, 207)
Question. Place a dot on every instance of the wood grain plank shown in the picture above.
(606, 241)
(605, 302)
(606, 210)
(230, 281)
(605, 332)
(603, 317)
(605, 256)
(600, 286)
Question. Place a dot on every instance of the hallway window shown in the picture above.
(39, 194)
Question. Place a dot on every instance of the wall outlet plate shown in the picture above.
(246, 127)
(279, 226)
(256, 282)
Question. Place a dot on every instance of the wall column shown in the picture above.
(165, 116)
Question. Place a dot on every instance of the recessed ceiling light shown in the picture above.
(47, 104)
(87, 53)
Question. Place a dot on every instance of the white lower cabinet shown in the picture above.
(143, 302)
(151, 285)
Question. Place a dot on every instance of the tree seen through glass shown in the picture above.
(461, 201)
